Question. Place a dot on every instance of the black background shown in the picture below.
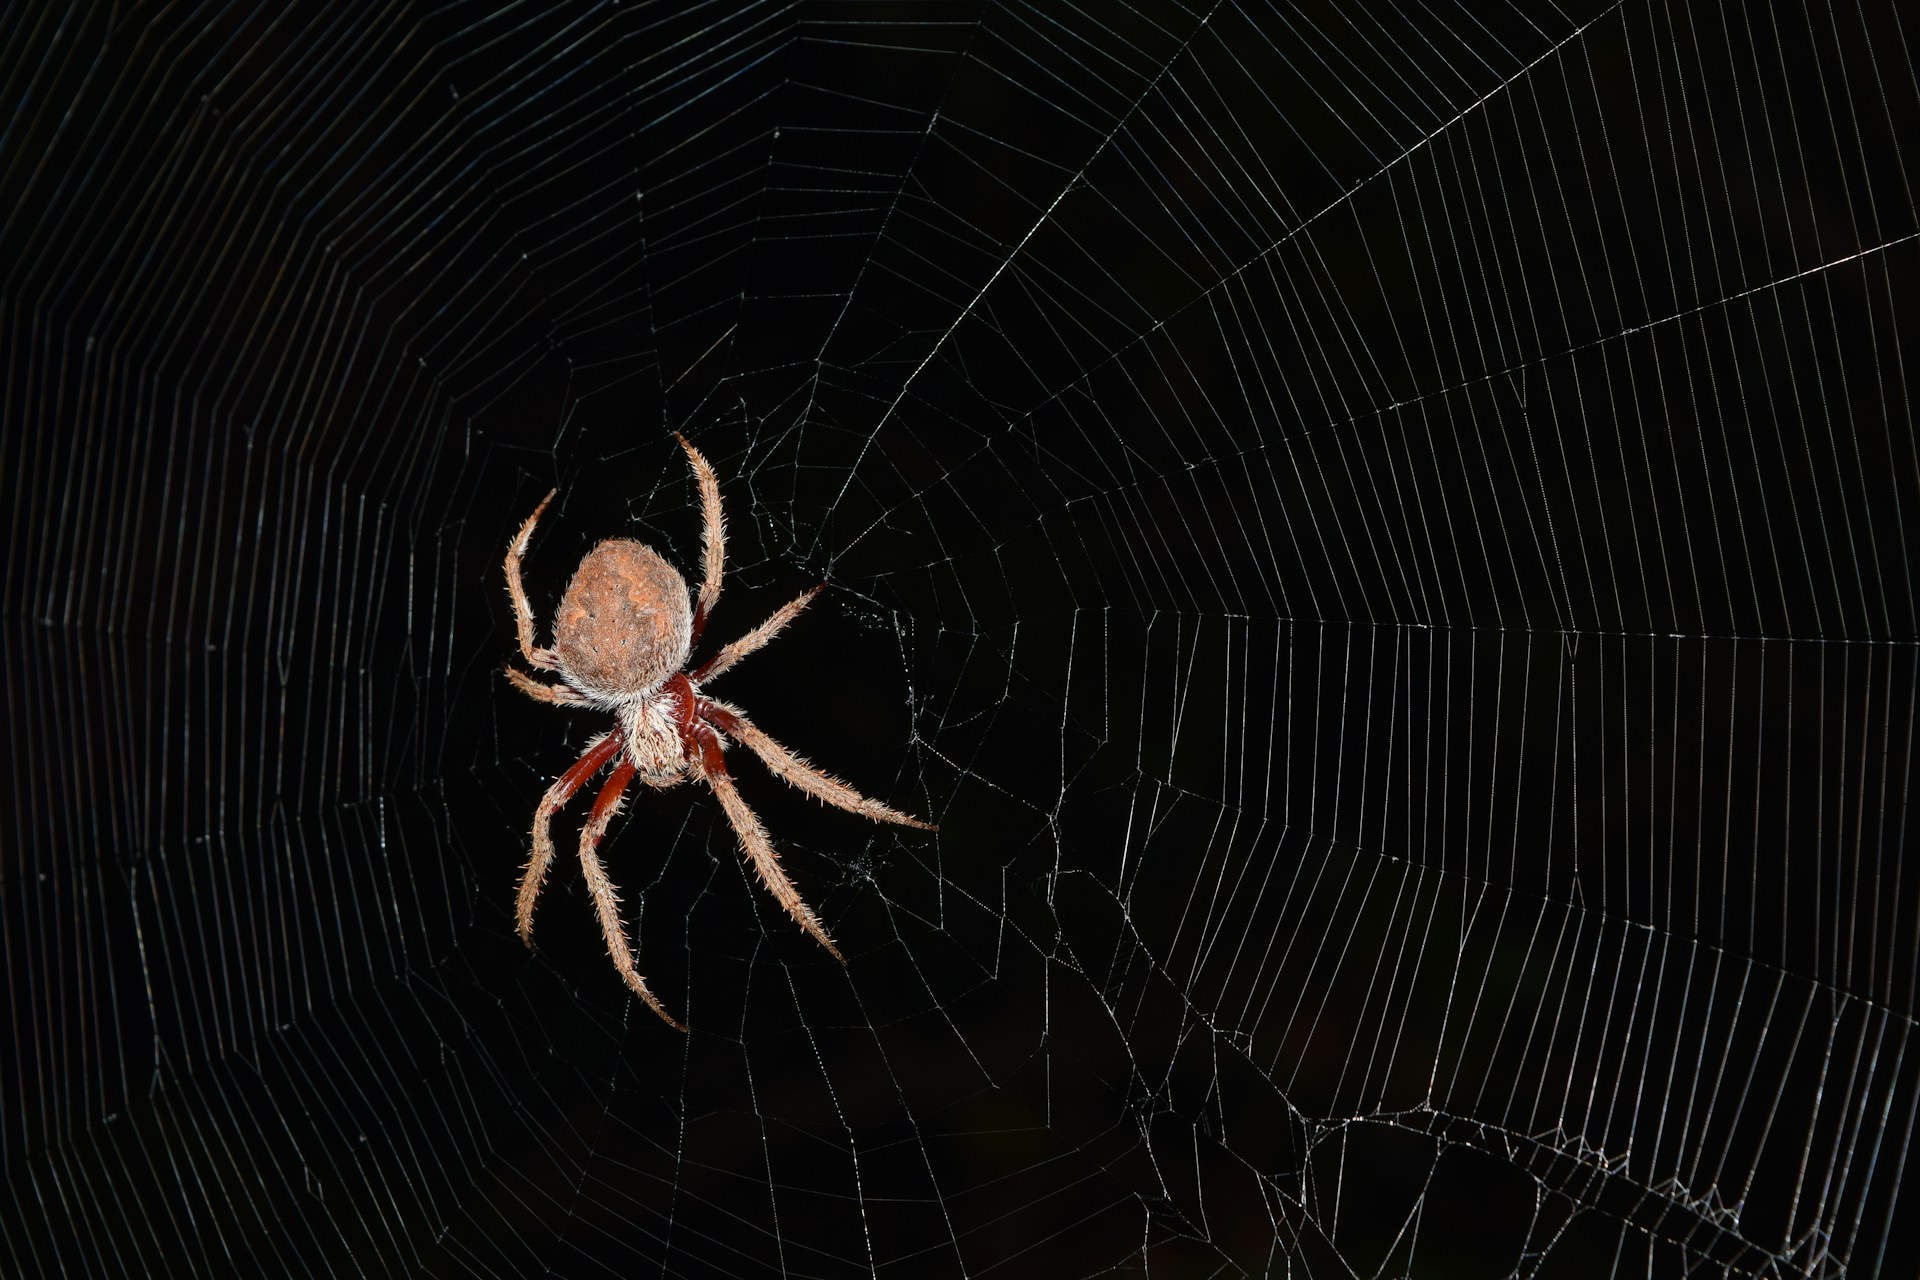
(1383, 540)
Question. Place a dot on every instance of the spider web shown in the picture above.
(1382, 534)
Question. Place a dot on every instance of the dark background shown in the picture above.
(1382, 536)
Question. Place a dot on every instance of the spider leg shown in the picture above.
(565, 695)
(754, 639)
(545, 659)
(753, 839)
(606, 899)
(598, 752)
(782, 763)
(713, 558)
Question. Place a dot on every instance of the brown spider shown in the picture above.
(620, 643)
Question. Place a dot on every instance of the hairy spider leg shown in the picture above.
(756, 638)
(713, 537)
(563, 695)
(606, 899)
(598, 752)
(545, 659)
(753, 837)
(797, 772)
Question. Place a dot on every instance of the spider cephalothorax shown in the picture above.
(621, 639)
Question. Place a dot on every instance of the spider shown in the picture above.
(621, 639)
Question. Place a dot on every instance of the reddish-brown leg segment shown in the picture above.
(596, 757)
(606, 899)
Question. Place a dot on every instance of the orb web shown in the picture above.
(1382, 535)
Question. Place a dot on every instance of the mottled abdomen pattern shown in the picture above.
(625, 623)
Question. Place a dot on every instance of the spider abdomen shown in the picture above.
(625, 623)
